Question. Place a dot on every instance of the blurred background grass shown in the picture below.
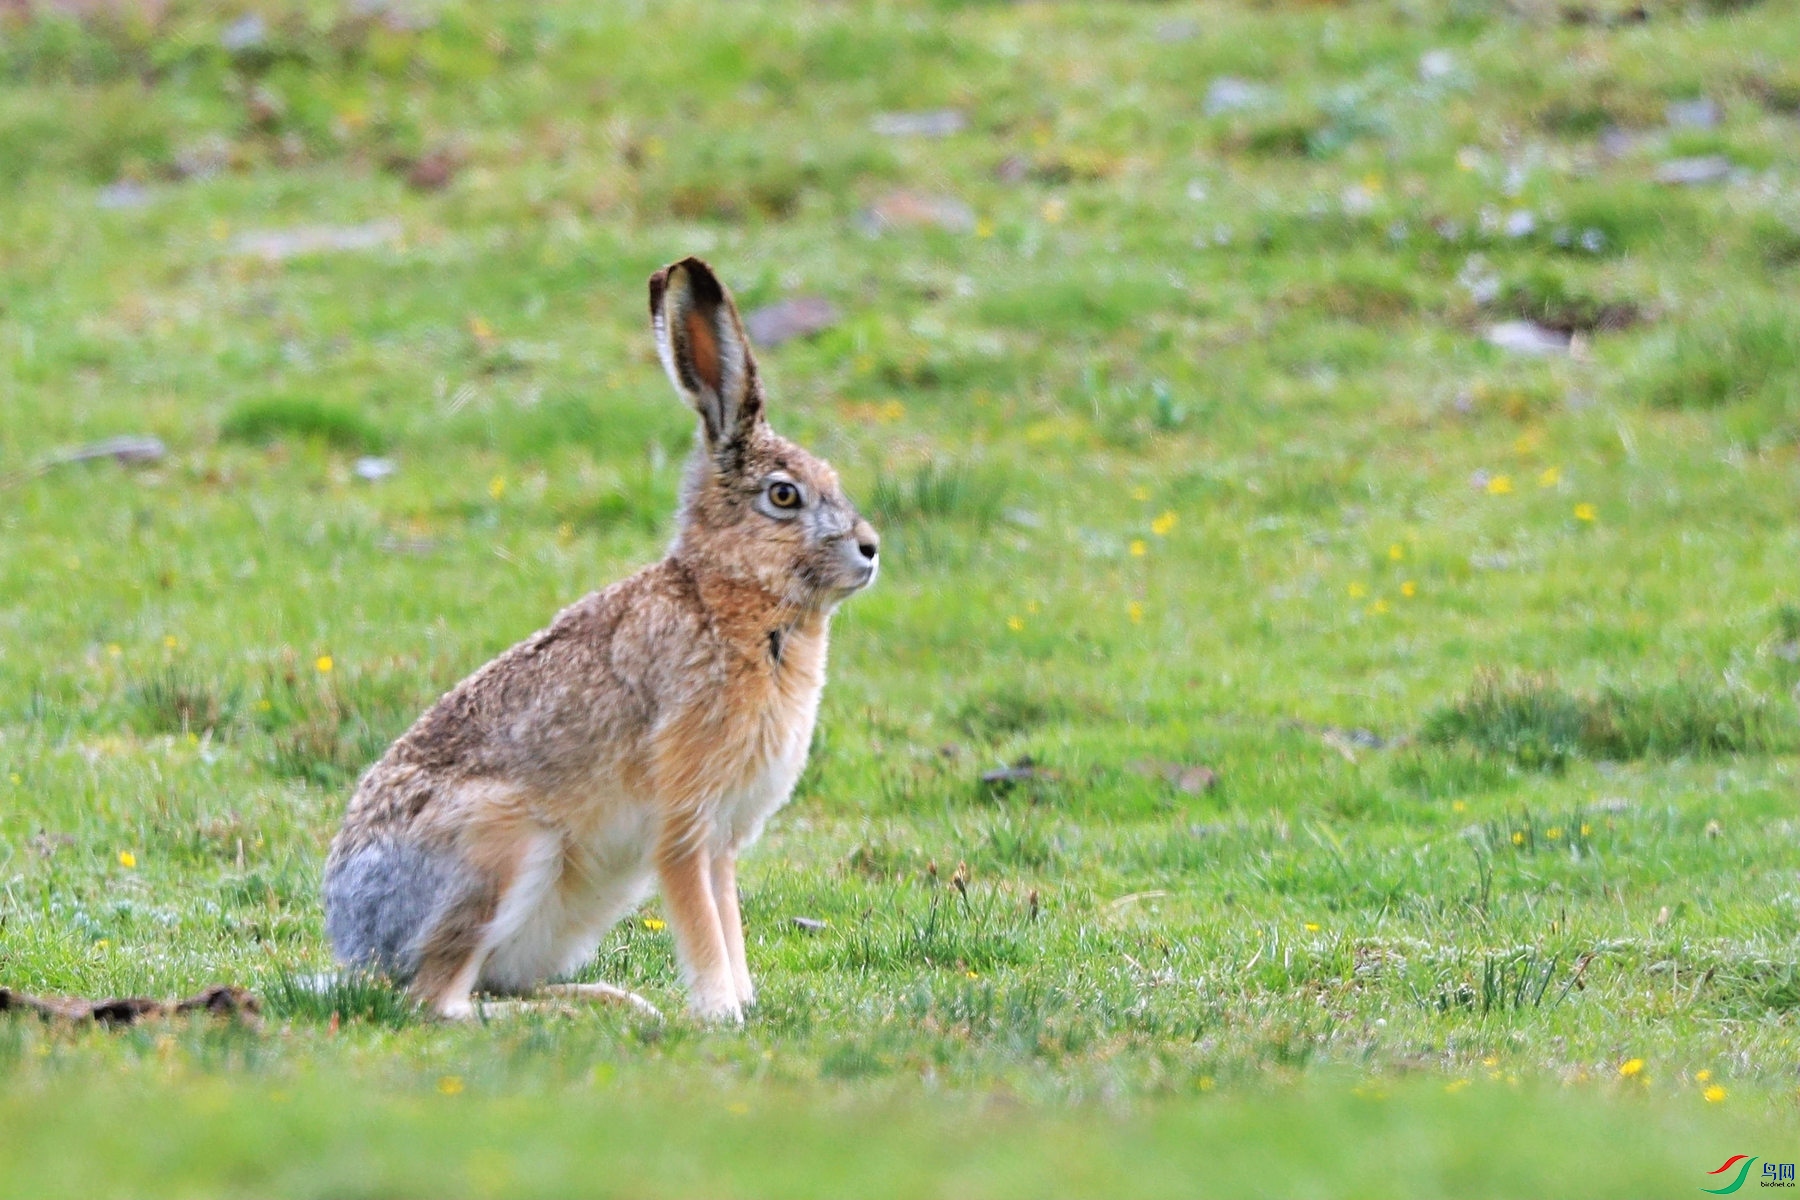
(1340, 459)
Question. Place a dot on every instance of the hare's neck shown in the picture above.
(762, 625)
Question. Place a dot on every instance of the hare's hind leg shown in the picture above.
(604, 992)
(451, 958)
(464, 938)
(555, 997)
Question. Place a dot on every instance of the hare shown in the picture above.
(641, 740)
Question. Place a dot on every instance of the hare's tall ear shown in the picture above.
(705, 352)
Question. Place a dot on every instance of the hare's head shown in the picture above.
(755, 506)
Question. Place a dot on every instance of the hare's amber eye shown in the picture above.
(784, 495)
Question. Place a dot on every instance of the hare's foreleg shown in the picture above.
(685, 870)
(731, 923)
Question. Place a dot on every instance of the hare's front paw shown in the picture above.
(719, 1009)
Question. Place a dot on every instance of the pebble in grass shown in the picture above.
(1228, 94)
(1695, 172)
(786, 320)
(373, 470)
(906, 209)
(1701, 112)
(936, 123)
(1528, 338)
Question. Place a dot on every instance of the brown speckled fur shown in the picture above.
(644, 736)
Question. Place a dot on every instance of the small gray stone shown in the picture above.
(1230, 94)
(936, 123)
(795, 317)
(246, 33)
(279, 244)
(1694, 172)
(1527, 337)
(914, 210)
(123, 194)
(1436, 64)
(373, 469)
(1699, 113)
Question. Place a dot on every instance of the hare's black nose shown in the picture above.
(867, 540)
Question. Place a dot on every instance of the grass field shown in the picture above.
(1168, 373)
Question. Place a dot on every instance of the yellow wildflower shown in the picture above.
(127, 859)
(114, 650)
(1311, 927)
(1518, 837)
(1714, 1094)
(1377, 608)
(323, 664)
(1015, 623)
(1396, 552)
(984, 228)
(480, 330)
(1586, 829)
(1456, 1085)
(1139, 548)
(497, 487)
(1554, 832)
(1550, 477)
(1409, 589)
(1586, 512)
(1140, 492)
(1206, 1083)
(654, 925)
(1358, 591)
(1135, 611)
(1500, 485)
(170, 642)
(1702, 1076)
(450, 1085)
(1631, 1068)
(1459, 806)
(1163, 524)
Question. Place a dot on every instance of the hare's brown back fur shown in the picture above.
(688, 689)
(645, 735)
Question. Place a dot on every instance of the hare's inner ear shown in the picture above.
(704, 350)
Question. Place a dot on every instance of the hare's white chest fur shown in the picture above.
(787, 738)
